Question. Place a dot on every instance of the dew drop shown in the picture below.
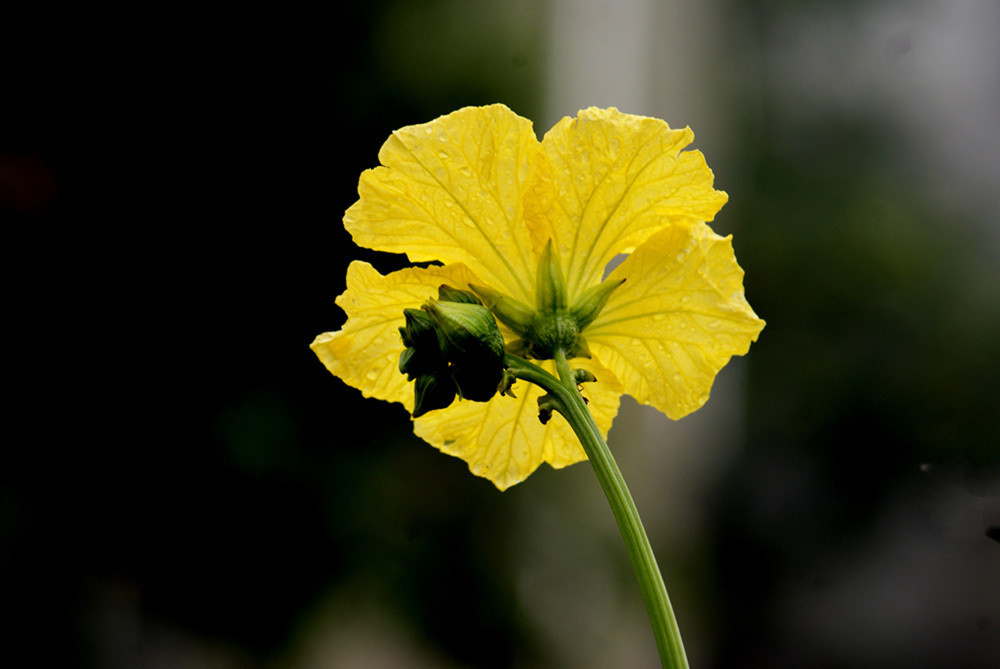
(372, 374)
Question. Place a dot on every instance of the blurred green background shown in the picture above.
(184, 485)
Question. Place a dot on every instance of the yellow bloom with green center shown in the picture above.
(531, 227)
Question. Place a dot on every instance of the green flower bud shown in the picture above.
(432, 391)
(422, 354)
(419, 328)
(453, 347)
(591, 301)
(465, 330)
(514, 314)
(473, 346)
(550, 288)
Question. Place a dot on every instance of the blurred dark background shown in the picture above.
(185, 485)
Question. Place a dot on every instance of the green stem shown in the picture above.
(566, 399)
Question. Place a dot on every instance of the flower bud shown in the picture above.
(432, 391)
(465, 330)
(422, 354)
(471, 345)
(419, 328)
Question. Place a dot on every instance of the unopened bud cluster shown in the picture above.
(453, 348)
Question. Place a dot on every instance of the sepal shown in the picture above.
(449, 294)
(514, 314)
(550, 288)
(430, 392)
(589, 304)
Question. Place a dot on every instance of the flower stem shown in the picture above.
(566, 399)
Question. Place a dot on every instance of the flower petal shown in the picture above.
(612, 180)
(504, 441)
(451, 190)
(676, 321)
(365, 352)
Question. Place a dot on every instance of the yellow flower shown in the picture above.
(477, 192)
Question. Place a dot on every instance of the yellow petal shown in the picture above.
(677, 319)
(503, 440)
(365, 352)
(451, 190)
(611, 181)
